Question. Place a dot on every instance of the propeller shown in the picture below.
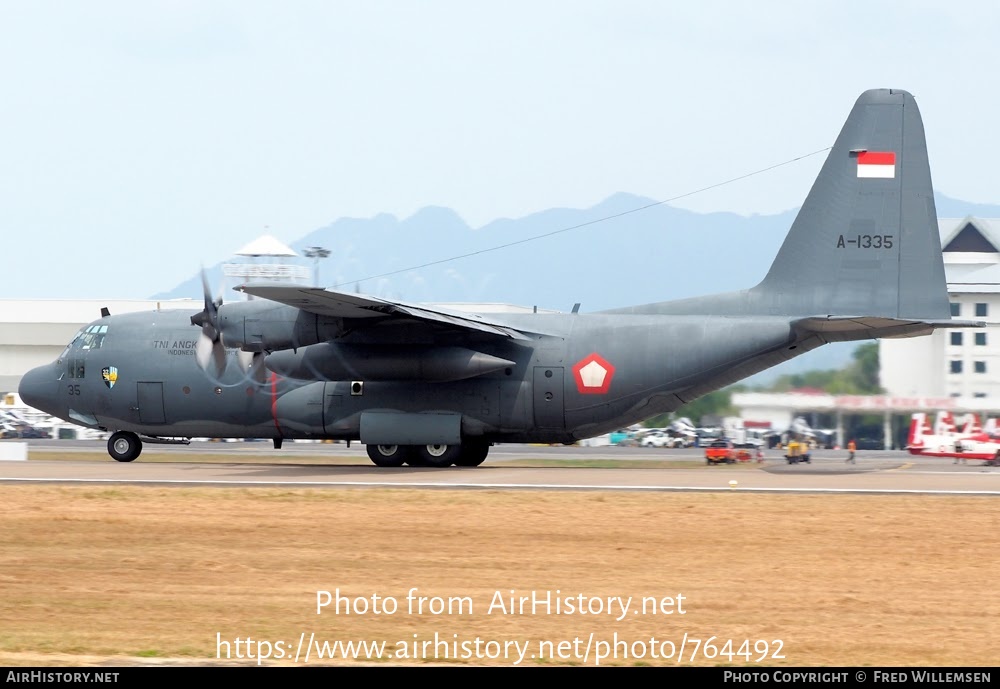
(252, 365)
(210, 350)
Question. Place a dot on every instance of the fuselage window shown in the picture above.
(75, 369)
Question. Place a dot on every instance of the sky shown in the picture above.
(140, 141)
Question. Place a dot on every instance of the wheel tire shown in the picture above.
(473, 453)
(387, 455)
(124, 446)
(439, 456)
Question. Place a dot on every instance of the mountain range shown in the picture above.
(625, 250)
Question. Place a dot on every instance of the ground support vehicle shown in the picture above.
(796, 452)
(722, 452)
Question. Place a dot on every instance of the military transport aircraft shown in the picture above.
(431, 386)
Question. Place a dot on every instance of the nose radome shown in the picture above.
(38, 388)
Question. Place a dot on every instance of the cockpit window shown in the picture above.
(91, 337)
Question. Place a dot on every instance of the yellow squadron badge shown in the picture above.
(110, 375)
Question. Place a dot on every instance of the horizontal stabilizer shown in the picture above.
(840, 328)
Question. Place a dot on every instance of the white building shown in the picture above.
(960, 362)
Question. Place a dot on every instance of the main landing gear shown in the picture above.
(470, 453)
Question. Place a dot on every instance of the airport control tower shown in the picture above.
(267, 260)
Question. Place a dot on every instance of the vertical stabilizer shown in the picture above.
(918, 429)
(944, 424)
(865, 242)
(972, 425)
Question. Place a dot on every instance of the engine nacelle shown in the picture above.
(256, 326)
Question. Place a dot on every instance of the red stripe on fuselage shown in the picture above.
(274, 401)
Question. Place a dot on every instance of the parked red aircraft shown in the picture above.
(971, 443)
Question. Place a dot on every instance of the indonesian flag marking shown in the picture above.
(877, 164)
(593, 374)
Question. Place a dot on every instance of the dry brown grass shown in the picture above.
(88, 573)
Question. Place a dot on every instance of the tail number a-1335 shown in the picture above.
(866, 241)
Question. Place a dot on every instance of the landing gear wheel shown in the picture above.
(439, 455)
(473, 453)
(387, 455)
(124, 446)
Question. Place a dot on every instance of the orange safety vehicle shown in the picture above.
(722, 451)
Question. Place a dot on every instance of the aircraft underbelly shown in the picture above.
(343, 409)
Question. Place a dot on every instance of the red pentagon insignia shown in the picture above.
(593, 374)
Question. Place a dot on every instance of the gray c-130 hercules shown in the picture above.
(430, 386)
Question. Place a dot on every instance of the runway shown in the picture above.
(316, 465)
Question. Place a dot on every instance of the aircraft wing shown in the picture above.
(335, 304)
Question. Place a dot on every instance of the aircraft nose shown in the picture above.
(38, 388)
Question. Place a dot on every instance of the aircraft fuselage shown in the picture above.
(590, 374)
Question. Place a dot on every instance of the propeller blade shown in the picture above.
(252, 365)
(209, 350)
(203, 350)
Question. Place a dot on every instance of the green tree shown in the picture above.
(718, 403)
(807, 379)
(860, 377)
(863, 371)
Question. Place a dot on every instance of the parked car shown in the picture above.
(661, 439)
(597, 441)
(25, 432)
(749, 442)
(623, 437)
(682, 439)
